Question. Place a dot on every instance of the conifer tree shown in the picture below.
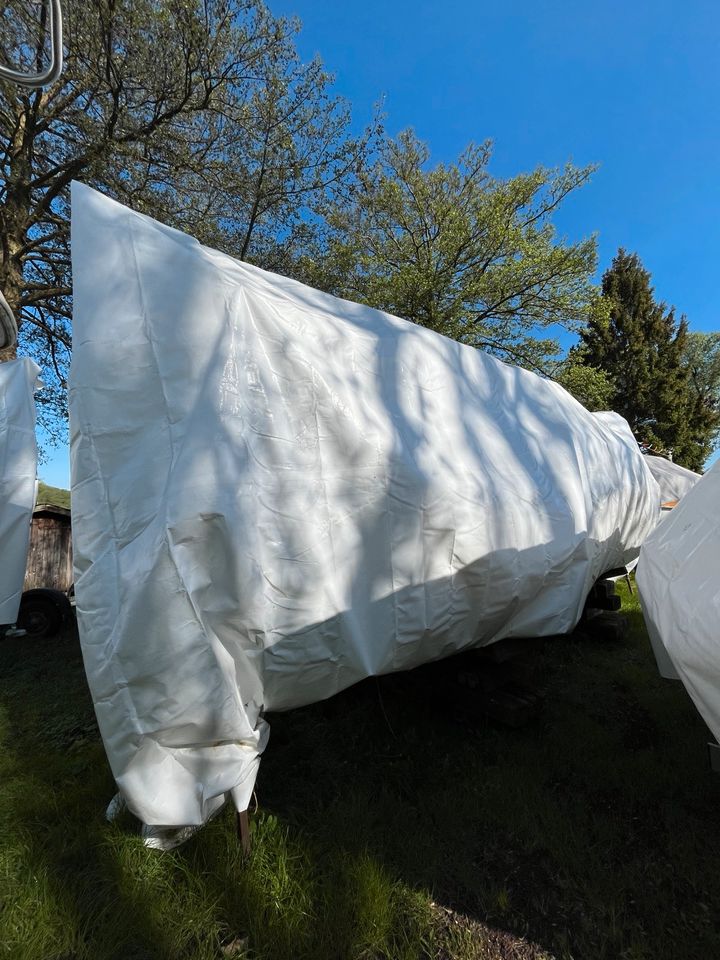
(640, 345)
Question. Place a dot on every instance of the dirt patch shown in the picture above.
(478, 941)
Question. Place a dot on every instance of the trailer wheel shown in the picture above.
(42, 612)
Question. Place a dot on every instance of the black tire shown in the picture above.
(42, 613)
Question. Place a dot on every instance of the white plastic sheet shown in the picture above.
(18, 464)
(277, 493)
(674, 481)
(678, 580)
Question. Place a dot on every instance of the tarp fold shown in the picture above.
(678, 578)
(18, 465)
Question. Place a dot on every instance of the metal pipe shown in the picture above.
(8, 327)
(54, 67)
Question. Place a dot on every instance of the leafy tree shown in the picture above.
(454, 249)
(590, 385)
(702, 359)
(641, 347)
(198, 112)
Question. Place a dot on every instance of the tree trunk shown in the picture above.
(14, 219)
(11, 285)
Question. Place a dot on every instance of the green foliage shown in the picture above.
(458, 251)
(53, 495)
(641, 348)
(590, 385)
(702, 359)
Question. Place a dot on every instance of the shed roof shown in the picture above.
(52, 510)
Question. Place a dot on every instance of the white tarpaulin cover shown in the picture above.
(674, 481)
(277, 493)
(18, 463)
(678, 580)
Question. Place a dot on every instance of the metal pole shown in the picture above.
(54, 67)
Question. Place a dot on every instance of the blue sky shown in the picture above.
(633, 86)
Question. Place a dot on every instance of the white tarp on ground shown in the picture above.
(678, 580)
(18, 464)
(277, 493)
(674, 481)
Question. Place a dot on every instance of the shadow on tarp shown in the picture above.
(199, 477)
(363, 790)
(497, 418)
(333, 791)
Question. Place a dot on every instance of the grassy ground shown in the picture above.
(385, 830)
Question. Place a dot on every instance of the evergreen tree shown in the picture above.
(641, 346)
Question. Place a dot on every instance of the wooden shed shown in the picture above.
(50, 554)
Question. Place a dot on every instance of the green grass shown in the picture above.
(591, 833)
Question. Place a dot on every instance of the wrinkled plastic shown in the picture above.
(678, 578)
(674, 481)
(18, 464)
(277, 493)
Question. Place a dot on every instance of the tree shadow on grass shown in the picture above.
(565, 833)
(64, 896)
(568, 832)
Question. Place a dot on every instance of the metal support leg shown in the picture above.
(243, 831)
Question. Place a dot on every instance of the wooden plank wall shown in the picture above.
(50, 555)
